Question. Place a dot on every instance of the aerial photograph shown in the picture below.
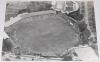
(50, 31)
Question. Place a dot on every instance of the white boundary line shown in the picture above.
(97, 19)
(48, 0)
(2, 18)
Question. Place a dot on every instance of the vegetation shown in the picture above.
(14, 9)
(7, 45)
(39, 6)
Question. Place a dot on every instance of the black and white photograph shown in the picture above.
(50, 31)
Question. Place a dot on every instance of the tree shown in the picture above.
(7, 45)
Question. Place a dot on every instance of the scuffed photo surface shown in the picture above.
(49, 31)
